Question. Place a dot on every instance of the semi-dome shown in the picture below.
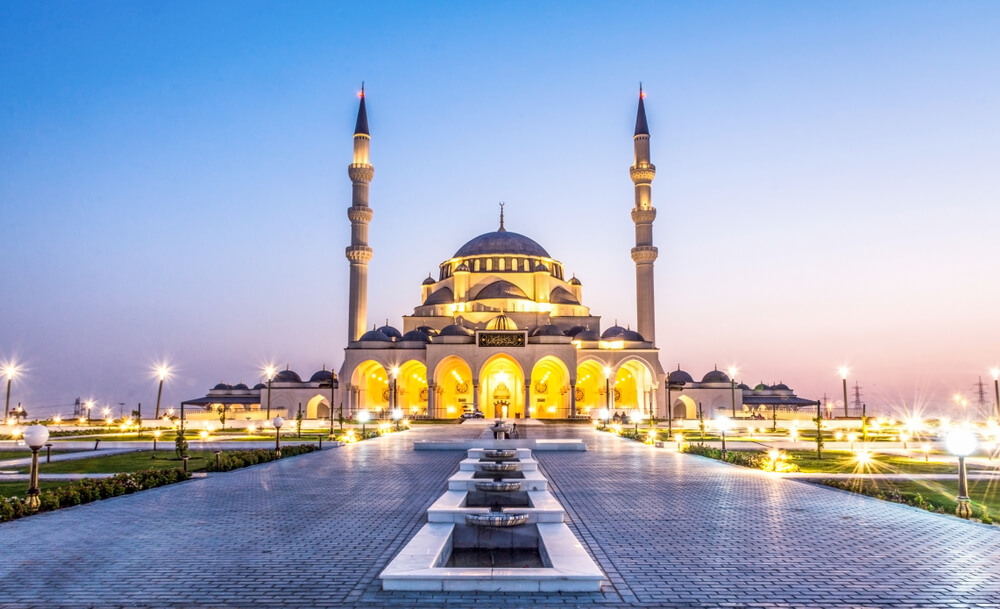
(416, 336)
(501, 242)
(587, 335)
(374, 336)
(575, 281)
(715, 376)
(287, 376)
(442, 296)
(561, 295)
(241, 387)
(546, 330)
(429, 331)
(456, 330)
(632, 335)
(321, 376)
(501, 322)
(679, 376)
(390, 331)
(501, 289)
(222, 387)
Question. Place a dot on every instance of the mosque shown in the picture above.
(501, 331)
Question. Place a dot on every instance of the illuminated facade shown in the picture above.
(502, 329)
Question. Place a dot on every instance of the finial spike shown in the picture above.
(502, 229)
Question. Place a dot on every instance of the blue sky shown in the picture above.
(173, 182)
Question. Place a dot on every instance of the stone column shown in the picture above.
(527, 400)
(572, 397)
(475, 394)
(431, 400)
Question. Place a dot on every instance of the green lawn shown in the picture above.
(940, 493)
(21, 454)
(845, 462)
(126, 462)
(19, 488)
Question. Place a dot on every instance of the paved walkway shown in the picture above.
(669, 530)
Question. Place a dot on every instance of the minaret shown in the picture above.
(644, 253)
(358, 253)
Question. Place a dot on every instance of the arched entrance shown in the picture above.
(549, 389)
(318, 407)
(634, 382)
(589, 389)
(453, 393)
(501, 387)
(685, 408)
(411, 389)
(370, 384)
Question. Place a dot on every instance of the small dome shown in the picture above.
(429, 280)
(575, 330)
(456, 330)
(761, 387)
(462, 268)
(259, 386)
(390, 331)
(575, 281)
(679, 376)
(222, 387)
(613, 332)
(561, 295)
(429, 331)
(781, 387)
(501, 322)
(547, 330)
(501, 242)
(587, 335)
(374, 336)
(416, 336)
(633, 336)
(743, 386)
(541, 268)
(241, 387)
(441, 296)
(287, 376)
(501, 289)
(715, 376)
(321, 376)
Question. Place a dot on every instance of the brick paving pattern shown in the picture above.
(669, 531)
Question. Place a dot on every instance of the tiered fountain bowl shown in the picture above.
(494, 464)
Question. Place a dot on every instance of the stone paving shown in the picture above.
(669, 530)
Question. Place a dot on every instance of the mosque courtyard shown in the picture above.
(667, 529)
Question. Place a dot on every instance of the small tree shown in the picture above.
(298, 423)
(819, 436)
(180, 444)
(222, 415)
(701, 424)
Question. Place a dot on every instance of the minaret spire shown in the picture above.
(644, 253)
(359, 213)
(501, 229)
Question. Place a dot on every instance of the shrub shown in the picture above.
(753, 458)
(235, 459)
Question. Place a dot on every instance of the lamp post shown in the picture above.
(161, 372)
(156, 436)
(723, 424)
(278, 422)
(961, 443)
(393, 398)
(843, 376)
(35, 437)
(732, 384)
(996, 390)
(363, 417)
(11, 371)
(269, 373)
(397, 414)
(607, 389)
(90, 405)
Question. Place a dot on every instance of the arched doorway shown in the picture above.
(685, 408)
(411, 389)
(634, 382)
(453, 388)
(590, 376)
(501, 387)
(318, 407)
(549, 389)
(370, 384)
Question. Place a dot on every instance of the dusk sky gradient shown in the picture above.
(173, 181)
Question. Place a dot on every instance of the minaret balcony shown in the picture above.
(360, 172)
(358, 254)
(642, 173)
(360, 213)
(644, 216)
(644, 254)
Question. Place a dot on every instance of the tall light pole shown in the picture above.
(35, 437)
(269, 373)
(961, 443)
(11, 371)
(843, 376)
(89, 404)
(996, 389)
(393, 398)
(607, 389)
(162, 372)
(732, 383)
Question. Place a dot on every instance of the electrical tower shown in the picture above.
(985, 407)
(858, 406)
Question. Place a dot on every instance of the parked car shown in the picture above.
(473, 414)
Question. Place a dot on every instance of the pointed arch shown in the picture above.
(501, 387)
(549, 388)
(370, 384)
(453, 393)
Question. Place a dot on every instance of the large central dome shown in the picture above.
(501, 242)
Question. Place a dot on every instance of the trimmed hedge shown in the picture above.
(235, 459)
(755, 459)
(90, 489)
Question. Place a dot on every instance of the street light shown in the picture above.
(156, 436)
(11, 371)
(605, 414)
(843, 375)
(363, 418)
(269, 373)
(278, 422)
(732, 384)
(723, 424)
(961, 443)
(90, 405)
(393, 399)
(397, 414)
(35, 437)
(162, 372)
(996, 389)
(607, 389)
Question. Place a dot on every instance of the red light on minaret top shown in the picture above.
(642, 95)
(361, 93)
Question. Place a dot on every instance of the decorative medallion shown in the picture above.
(461, 387)
(579, 394)
(541, 387)
(385, 394)
(424, 394)
(618, 394)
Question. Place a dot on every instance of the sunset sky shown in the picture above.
(173, 182)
